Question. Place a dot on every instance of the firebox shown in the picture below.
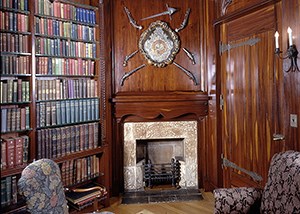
(160, 161)
(162, 149)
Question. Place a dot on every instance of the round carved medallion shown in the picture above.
(159, 44)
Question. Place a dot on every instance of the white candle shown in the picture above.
(289, 30)
(276, 39)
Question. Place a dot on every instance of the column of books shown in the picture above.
(14, 95)
(67, 107)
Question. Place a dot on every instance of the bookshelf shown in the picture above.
(50, 92)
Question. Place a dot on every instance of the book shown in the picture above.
(3, 154)
(25, 148)
(8, 190)
(14, 190)
(86, 192)
(19, 151)
(3, 192)
(10, 149)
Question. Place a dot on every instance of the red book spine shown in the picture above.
(10, 148)
(19, 151)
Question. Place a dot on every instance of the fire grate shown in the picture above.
(162, 174)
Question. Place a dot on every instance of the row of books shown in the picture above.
(61, 141)
(65, 11)
(80, 170)
(14, 151)
(65, 48)
(15, 119)
(15, 4)
(67, 29)
(57, 89)
(65, 66)
(14, 91)
(12, 64)
(66, 111)
(14, 21)
(14, 43)
(9, 191)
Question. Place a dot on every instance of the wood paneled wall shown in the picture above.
(290, 16)
(126, 39)
(201, 36)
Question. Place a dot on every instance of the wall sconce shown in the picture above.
(291, 53)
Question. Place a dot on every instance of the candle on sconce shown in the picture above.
(276, 40)
(289, 30)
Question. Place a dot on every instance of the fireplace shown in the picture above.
(160, 142)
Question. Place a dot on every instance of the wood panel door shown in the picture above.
(250, 91)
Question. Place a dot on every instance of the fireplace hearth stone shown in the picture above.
(161, 195)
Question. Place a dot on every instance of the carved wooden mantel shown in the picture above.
(153, 107)
(166, 105)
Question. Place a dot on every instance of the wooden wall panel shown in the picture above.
(126, 37)
(291, 98)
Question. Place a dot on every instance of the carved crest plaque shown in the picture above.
(159, 44)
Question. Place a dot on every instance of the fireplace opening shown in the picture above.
(159, 159)
(159, 142)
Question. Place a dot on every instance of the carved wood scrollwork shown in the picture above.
(225, 4)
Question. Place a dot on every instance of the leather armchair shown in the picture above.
(281, 193)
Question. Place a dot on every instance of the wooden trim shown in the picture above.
(243, 12)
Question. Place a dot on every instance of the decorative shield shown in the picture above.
(159, 44)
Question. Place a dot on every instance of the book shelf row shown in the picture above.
(14, 118)
(50, 92)
(14, 151)
(50, 27)
(12, 64)
(66, 112)
(62, 141)
(13, 91)
(9, 192)
(64, 66)
(80, 170)
(61, 47)
(14, 43)
(65, 11)
(57, 89)
(15, 4)
(14, 21)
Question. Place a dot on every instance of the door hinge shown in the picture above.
(228, 163)
(221, 102)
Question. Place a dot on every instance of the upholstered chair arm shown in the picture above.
(237, 200)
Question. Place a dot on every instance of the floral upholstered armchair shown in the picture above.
(280, 195)
(41, 185)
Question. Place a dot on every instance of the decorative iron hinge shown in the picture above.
(228, 163)
(227, 47)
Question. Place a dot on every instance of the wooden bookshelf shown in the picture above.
(50, 66)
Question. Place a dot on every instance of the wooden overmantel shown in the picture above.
(160, 105)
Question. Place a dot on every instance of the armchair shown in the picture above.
(41, 185)
(281, 193)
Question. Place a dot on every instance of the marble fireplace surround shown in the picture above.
(186, 130)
